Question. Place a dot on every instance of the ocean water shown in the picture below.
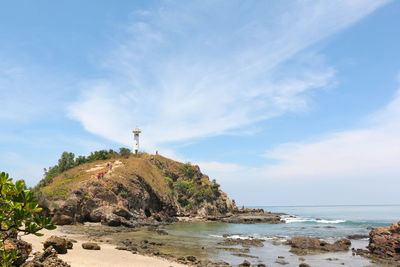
(326, 222)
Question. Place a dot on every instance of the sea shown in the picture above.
(329, 223)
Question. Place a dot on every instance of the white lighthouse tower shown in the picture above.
(136, 133)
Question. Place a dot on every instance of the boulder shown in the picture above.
(305, 245)
(24, 249)
(91, 246)
(58, 243)
(62, 219)
(191, 258)
(245, 264)
(69, 244)
(46, 259)
(385, 241)
(122, 212)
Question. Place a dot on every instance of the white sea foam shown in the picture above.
(300, 219)
(218, 236)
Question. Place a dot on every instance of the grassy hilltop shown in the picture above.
(137, 189)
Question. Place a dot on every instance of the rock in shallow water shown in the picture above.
(308, 245)
(385, 241)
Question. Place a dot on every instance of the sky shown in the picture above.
(282, 102)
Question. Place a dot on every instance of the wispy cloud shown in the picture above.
(372, 151)
(366, 159)
(190, 70)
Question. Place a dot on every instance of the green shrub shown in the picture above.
(183, 201)
(185, 188)
(199, 195)
(209, 194)
(169, 182)
(189, 205)
(215, 188)
(188, 170)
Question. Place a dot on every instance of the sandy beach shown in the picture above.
(108, 256)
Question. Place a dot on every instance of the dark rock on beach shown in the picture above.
(58, 243)
(90, 246)
(46, 259)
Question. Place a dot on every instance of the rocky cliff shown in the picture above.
(135, 190)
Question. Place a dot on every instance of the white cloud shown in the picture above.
(372, 151)
(192, 70)
(368, 152)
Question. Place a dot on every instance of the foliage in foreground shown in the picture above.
(18, 213)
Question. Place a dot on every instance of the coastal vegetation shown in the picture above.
(68, 161)
(19, 212)
(189, 190)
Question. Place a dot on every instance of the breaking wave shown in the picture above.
(300, 219)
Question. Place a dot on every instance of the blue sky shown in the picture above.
(283, 102)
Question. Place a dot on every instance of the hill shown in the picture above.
(135, 190)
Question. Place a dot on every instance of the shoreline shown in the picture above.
(107, 256)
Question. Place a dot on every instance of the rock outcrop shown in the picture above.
(137, 190)
(385, 241)
(46, 259)
(308, 245)
(58, 243)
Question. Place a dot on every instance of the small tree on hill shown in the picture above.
(18, 213)
(66, 162)
(124, 152)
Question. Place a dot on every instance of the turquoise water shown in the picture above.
(326, 222)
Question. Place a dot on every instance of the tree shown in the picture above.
(18, 213)
(66, 161)
(124, 152)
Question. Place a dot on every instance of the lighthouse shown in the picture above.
(136, 133)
